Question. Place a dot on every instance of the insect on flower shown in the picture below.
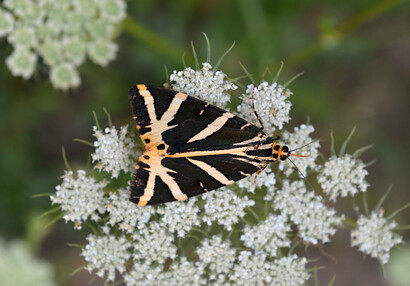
(193, 147)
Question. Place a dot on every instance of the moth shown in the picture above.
(192, 147)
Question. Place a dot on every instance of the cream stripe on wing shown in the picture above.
(148, 191)
(212, 172)
(149, 103)
(173, 186)
(213, 127)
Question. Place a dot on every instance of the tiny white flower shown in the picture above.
(6, 23)
(74, 50)
(18, 266)
(271, 103)
(64, 76)
(22, 62)
(86, 8)
(102, 52)
(290, 270)
(112, 10)
(217, 256)
(145, 274)
(50, 51)
(184, 273)
(80, 197)
(316, 222)
(204, 84)
(179, 217)
(114, 150)
(224, 207)
(268, 236)
(342, 176)
(265, 178)
(23, 37)
(374, 236)
(296, 139)
(21, 8)
(127, 215)
(154, 244)
(106, 254)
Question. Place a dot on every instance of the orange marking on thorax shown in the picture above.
(279, 152)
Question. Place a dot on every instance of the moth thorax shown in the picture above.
(280, 152)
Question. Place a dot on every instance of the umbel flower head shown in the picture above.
(61, 33)
(18, 266)
(242, 234)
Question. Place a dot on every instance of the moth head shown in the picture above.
(282, 152)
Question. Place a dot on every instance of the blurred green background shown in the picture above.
(356, 59)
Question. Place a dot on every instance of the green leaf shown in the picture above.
(223, 56)
(343, 148)
(379, 204)
(360, 151)
(195, 56)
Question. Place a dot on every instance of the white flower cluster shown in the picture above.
(265, 178)
(316, 222)
(204, 84)
(267, 236)
(154, 243)
(80, 198)
(296, 139)
(18, 266)
(218, 257)
(114, 150)
(374, 236)
(106, 254)
(62, 33)
(224, 207)
(180, 217)
(271, 103)
(255, 269)
(127, 215)
(342, 176)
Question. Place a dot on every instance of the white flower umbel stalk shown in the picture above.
(299, 137)
(62, 33)
(218, 257)
(81, 197)
(224, 207)
(18, 266)
(374, 236)
(115, 151)
(106, 254)
(316, 222)
(205, 84)
(271, 103)
(267, 236)
(342, 176)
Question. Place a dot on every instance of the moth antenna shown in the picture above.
(303, 146)
(304, 178)
(256, 114)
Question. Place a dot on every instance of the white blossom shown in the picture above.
(22, 62)
(316, 222)
(80, 197)
(342, 176)
(179, 217)
(271, 103)
(154, 243)
(64, 76)
(61, 33)
(205, 84)
(374, 236)
(255, 269)
(18, 266)
(218, 257)
(224, 207)
(296, 139)
(106, 254)
(127, 215)
(145, 274)
(114, 150)
(184, 273)
(267, 236)
(265, 178)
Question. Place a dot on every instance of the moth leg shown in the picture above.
(256, 114)
(265, 164)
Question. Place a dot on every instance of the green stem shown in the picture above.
(153, 40)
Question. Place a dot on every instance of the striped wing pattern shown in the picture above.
(191, 146)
